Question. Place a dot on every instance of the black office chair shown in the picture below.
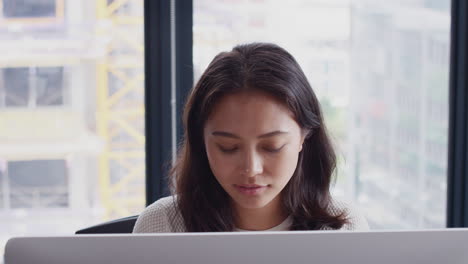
(118, 226)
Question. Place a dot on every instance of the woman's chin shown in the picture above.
(252, 202)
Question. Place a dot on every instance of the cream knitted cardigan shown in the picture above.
(163, 217)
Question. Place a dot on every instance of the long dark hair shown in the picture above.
(202, 202)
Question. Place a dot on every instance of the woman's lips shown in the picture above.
(251, 189)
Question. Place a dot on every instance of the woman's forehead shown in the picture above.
(250, 111)
(249, 101)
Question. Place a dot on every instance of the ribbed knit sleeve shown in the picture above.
(160, 217)
(356, 220)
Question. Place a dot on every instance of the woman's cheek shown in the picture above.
(221, 164)
(284, 166)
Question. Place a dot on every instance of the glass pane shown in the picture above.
(49, 86)
(72, 136)
(382, 79)
(38, 184)
(16, 86)
(29, 8)
(402, 184)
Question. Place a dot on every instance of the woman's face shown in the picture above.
(252, 142)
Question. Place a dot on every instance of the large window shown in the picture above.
(72, 141)
(380, 70)
(72, 111)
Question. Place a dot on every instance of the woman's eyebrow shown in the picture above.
(230, 135)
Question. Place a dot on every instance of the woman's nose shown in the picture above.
(253, 165)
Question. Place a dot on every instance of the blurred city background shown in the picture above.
(72, 102)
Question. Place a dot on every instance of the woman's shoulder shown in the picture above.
(161, 216)
(356, 219)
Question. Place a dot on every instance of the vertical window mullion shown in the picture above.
(184, 58)
(157, 97)
(168, 79)
(457, 184)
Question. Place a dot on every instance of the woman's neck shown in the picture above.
(258, 219)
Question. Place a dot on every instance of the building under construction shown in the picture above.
(71, 114)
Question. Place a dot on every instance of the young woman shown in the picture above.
(256, 154)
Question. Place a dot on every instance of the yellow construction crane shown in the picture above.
(120, 107)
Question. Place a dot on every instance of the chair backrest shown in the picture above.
(118, 226)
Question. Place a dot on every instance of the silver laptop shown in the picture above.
(383, 247)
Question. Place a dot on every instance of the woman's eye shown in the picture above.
(228, 150)
(272, 149)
